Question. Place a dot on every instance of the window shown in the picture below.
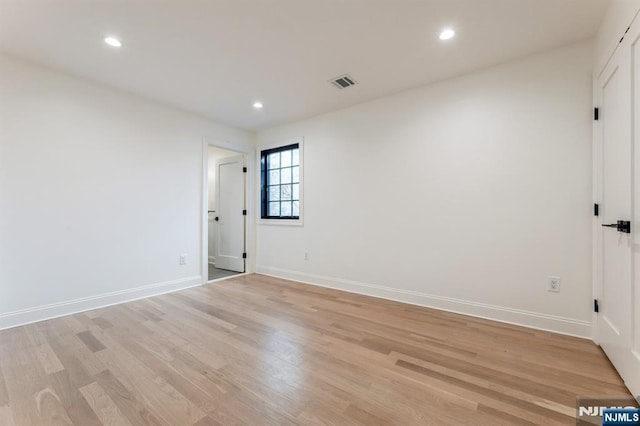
(280, 170)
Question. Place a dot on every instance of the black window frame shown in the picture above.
(264, 183)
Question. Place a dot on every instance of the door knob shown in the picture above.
(621, 226)
(216, 218)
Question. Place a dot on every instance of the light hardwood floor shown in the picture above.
(259, 350)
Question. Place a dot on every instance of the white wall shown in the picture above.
(464, 195)
(100, 192)
(614, 24)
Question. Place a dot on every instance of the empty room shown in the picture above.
(319, 212)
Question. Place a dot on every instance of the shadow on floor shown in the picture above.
(215, 273)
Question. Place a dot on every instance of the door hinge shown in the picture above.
(596, 210)
(596, 113)
(244, 255)
(244, 170)
(596, 307)
(244, 212)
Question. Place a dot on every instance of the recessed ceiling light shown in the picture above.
(112, 41)
(257, 105)
(447, 33)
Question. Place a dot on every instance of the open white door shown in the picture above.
(230, 219)
(617, 326)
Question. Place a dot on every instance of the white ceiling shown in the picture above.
(216, 57)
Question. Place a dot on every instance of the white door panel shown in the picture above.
(615, 205)
(231, 221)
(616, 329)
(633, 38)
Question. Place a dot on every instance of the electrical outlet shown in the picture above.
(554, 284)
(183, 259)
(306, 255)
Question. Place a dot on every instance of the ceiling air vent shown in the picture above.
(343, 81)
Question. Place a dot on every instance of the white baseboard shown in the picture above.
(212, 260)
(41, 313)
(534, 320)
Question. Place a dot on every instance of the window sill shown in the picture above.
(281, 222)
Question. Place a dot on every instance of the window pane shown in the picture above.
(273, 160)
(285, 159)
(286, 208)
(295, 193)
(295, 157)
(295, 174)
(274, 209)
(296, 209)
(286, 192)
(274, 193)
(274, 177)
(285, 175)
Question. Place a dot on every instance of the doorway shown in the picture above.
(226, 212)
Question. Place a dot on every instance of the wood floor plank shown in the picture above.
(77, 360)
(488, 392)
(92, 343)
(23, 374)
(104, 407)
(6, 416)
(164, 399)
(130, 406)
(25, 412)
(48, 359)
(4, 394)
(68, 390)
(74, 324)
(259, 350)
(50, 408)
(75, 348)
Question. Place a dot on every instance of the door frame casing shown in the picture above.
(597, 182)
(249, 197)
(597, 197)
